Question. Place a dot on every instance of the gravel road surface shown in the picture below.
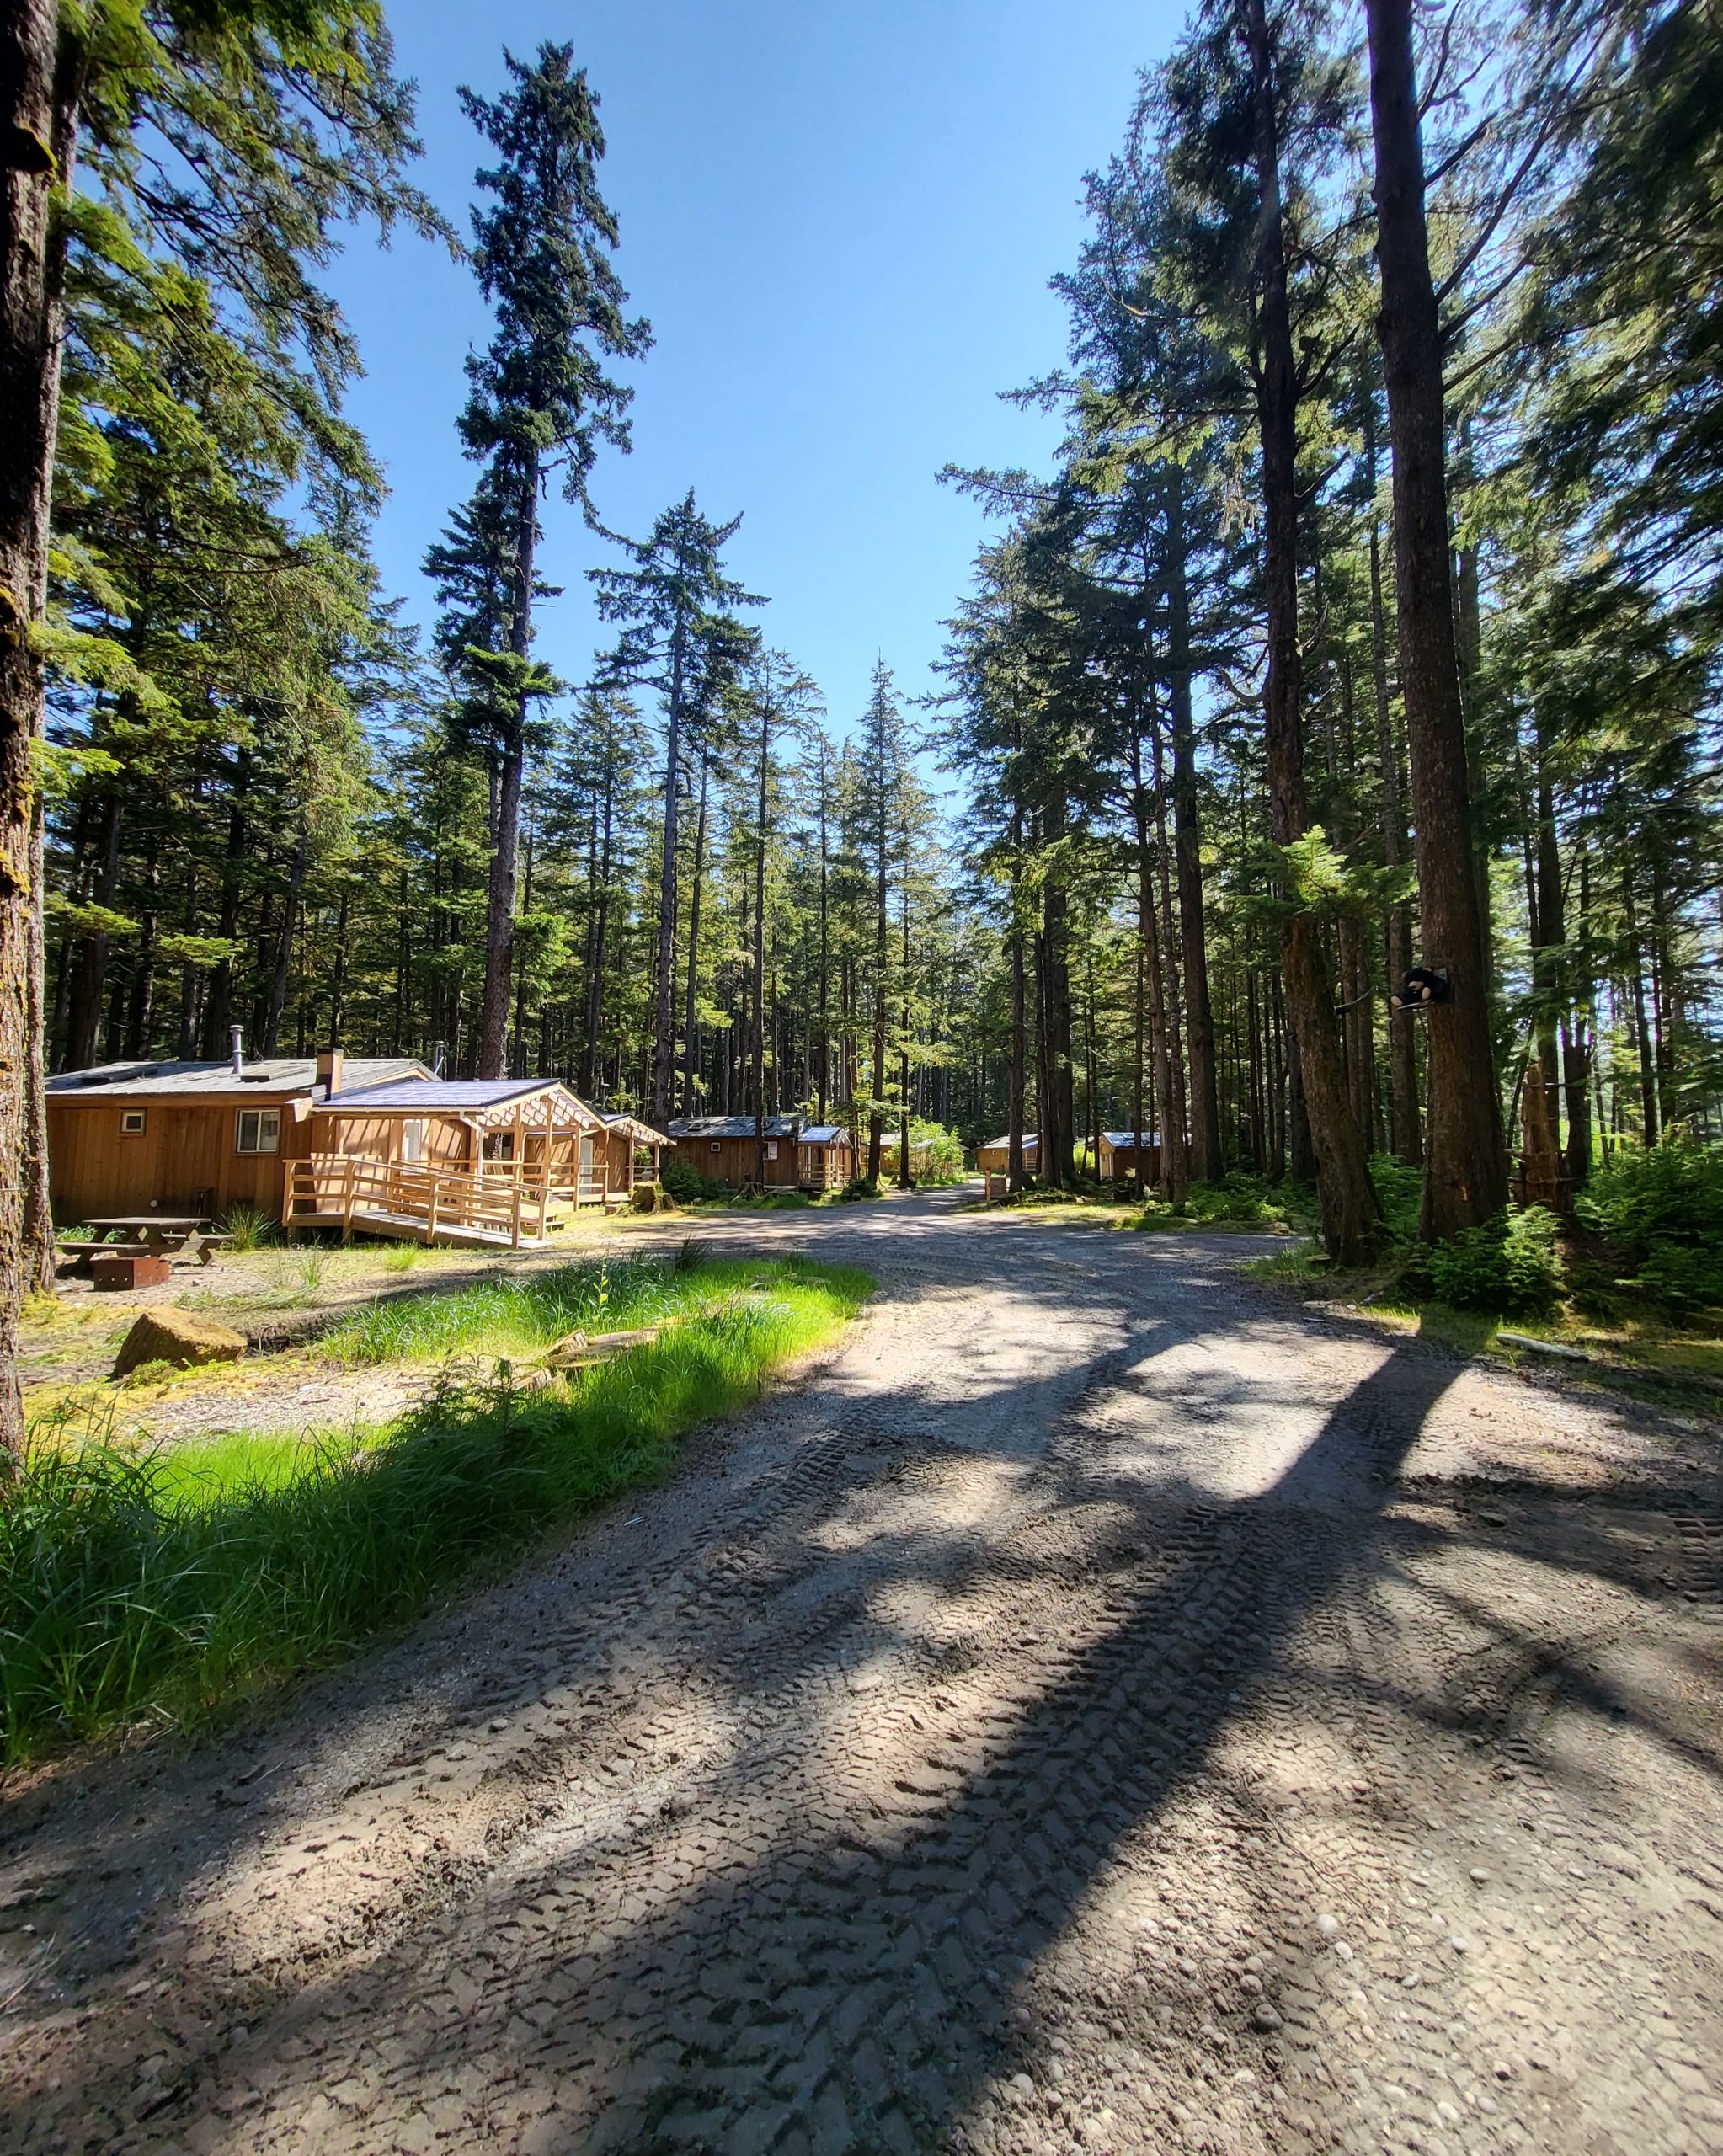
(1098, 1706)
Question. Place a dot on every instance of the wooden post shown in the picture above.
(431, 1223)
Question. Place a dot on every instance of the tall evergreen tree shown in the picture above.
(680, 636)
(541, 404)
(1466, 1167)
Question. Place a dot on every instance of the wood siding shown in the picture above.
(185, 1160)
(734, 1162)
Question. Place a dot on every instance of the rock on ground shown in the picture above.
(168, 1334)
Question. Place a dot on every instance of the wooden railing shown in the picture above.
(331, 1186)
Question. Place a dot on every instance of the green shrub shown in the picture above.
(857, 1187)
(686, 1185)
(1664, 1209)
(1509, 1265)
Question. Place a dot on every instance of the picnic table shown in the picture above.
(160, 1233)
(150, 1235)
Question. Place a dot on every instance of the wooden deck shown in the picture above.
(415, 1203)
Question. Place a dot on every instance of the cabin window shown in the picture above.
(499, 1145)
(131, 1122)
(771, 1148)
(413, 1138)
(718, 1145)
(260, 1131)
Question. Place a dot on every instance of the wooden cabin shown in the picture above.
(188, 1137)
(497, 1157)
(993, 1157)
(724, 1149)
(1129, 1156)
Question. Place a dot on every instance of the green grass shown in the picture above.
(172, 1587)
(1293, 1267)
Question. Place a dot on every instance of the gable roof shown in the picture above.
(1127, 1140)
(478, 1099)
(1031, 1141)
(270, 1078)
(620, 1119)
(742, 1126)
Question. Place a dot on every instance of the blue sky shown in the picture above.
(840, 220)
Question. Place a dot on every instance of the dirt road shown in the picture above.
(1100, 1707)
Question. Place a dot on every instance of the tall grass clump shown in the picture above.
(172, 1585)
(247, 1228)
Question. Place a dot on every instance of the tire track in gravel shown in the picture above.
(967, 1756)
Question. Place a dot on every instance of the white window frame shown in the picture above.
(131, 1122)
(412, 1130)
(771, 1148)
(265, 1132)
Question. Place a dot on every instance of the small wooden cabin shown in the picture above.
(993, 1157)
(188, 1137)
(378, 1148)
(1129, 1156)
(724, 1149)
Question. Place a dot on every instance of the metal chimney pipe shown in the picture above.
(238, 1039)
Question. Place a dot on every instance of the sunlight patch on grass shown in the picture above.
(135, 1580)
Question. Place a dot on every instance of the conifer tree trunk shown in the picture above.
(759, 945)
(218, 999)
(904, 1179)
(1016, 1106)
(284, 946)
(824, 1077)
(664, 1041)
(1174, 1158)
(38, 125)
(1351, 1216)
(499, 899)
(1057, 1163)
(1206, 1162)
(142, 1009)
(691, 1030)
(1577, 1050)
(875, 1119)
(1466, 1175)
(1402, 1040)
(90, 974)
(1545, 1166)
